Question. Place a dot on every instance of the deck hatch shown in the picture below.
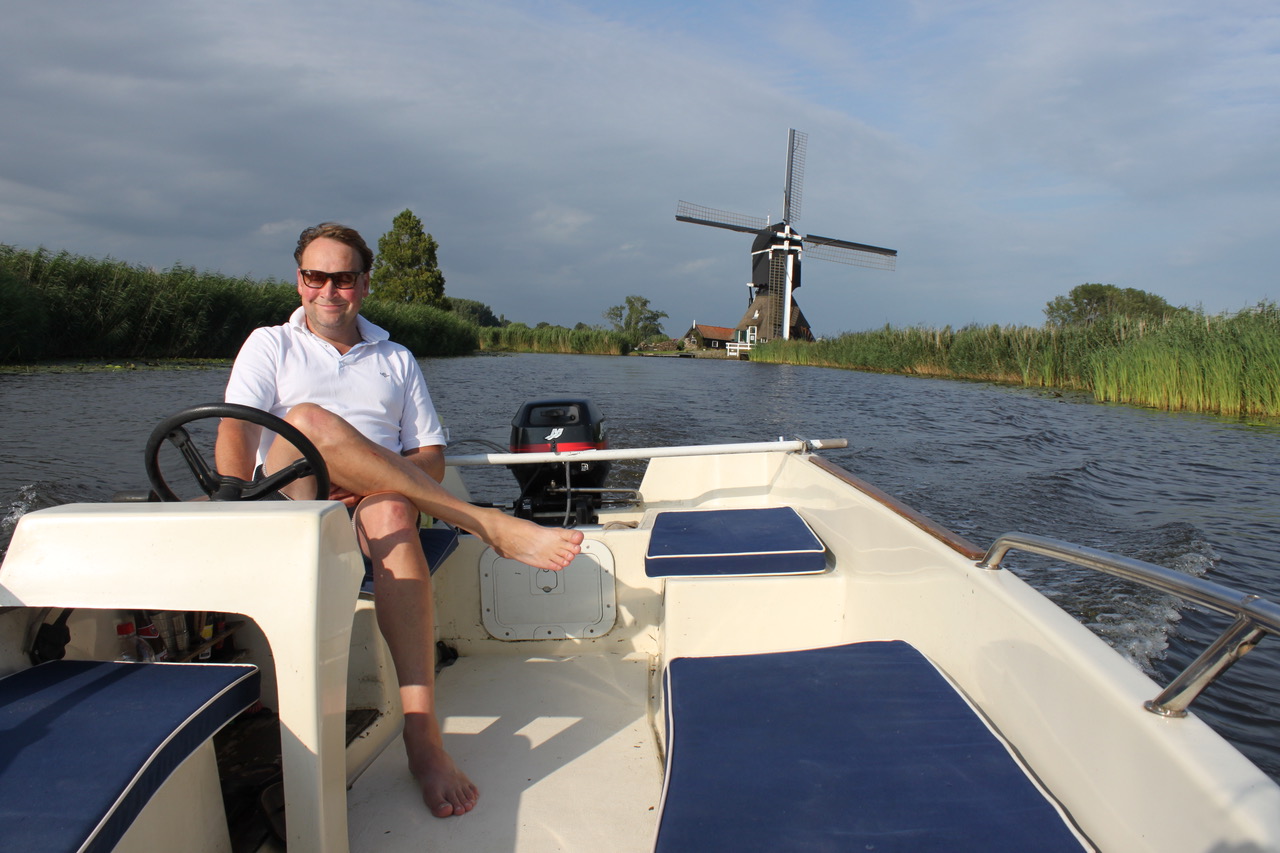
(522, 603)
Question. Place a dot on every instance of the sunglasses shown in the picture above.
(341, 280)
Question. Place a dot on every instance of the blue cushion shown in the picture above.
(857, 747)
(85, 744)
(731, 542)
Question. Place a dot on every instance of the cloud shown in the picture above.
(1008, 150)
(559, 224)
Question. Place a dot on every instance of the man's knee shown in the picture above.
(386, 512)
(312, 420)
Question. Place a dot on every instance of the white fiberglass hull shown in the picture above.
(566, 736)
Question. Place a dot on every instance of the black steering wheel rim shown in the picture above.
(219, 487)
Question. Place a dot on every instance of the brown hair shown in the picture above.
(334, 231)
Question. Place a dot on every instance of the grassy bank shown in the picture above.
(1225, 364)
(553, 339)
(63, 306)
(66, 307)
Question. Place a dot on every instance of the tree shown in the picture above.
(636, 318)
(1088, 303)
(474, 311)
(405, 269)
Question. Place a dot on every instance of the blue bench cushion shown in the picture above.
(857, 747)
(733, 542)
(85, 744)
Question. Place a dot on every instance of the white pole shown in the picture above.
(797, 445)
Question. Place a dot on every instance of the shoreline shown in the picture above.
(85, 366)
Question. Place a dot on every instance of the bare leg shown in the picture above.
(387, 526)
(365, 468)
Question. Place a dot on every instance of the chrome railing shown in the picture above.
(1253, 616)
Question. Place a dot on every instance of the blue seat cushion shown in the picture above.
(733, 542)
(857, 747)
(85, 744)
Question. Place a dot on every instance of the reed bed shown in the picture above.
(1228, 365)
(1225, 364)
(64, 306)
(553, 339)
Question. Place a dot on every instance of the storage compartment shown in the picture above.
(522, 603)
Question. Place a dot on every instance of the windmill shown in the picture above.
(776, 251)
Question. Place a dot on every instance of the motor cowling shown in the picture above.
(559, 492)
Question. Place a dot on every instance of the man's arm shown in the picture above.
(430, 459)
(236, 453)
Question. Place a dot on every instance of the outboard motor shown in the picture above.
(559, 493)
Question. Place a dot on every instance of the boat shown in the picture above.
(755, 650)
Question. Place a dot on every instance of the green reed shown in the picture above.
(1226, 364)
(425, 330)
(1022, 355)
(71, 307)
(553, 339)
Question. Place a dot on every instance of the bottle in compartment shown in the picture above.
(132, 647)
(148, 633)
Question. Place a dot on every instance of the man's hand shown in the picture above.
(348, 499)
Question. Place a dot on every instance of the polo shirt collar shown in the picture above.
(369, 333)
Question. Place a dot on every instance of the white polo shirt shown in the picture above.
(376, 386)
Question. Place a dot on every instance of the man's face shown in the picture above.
(331, 313)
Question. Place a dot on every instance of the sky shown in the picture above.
(1010, 150)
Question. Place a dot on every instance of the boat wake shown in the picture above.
(1137, 622)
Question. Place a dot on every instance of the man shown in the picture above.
(363, 402)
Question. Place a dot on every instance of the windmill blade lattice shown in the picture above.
(846, 252)
(793, 193)
(699, 215)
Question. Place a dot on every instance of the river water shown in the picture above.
(1195, 493)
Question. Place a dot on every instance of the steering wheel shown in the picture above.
(218, 486)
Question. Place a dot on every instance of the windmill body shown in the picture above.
(776, 253)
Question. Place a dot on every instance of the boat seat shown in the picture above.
(438, 542)
(857, 747)
(85, 744)
(733, 543)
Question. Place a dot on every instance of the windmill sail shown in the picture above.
(854, 254)
(793, 192)
(699, 215)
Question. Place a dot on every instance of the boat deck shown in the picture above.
(550, 778)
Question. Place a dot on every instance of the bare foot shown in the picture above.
(446, 790)
(532, 544)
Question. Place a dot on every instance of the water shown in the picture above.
(1195, 493)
